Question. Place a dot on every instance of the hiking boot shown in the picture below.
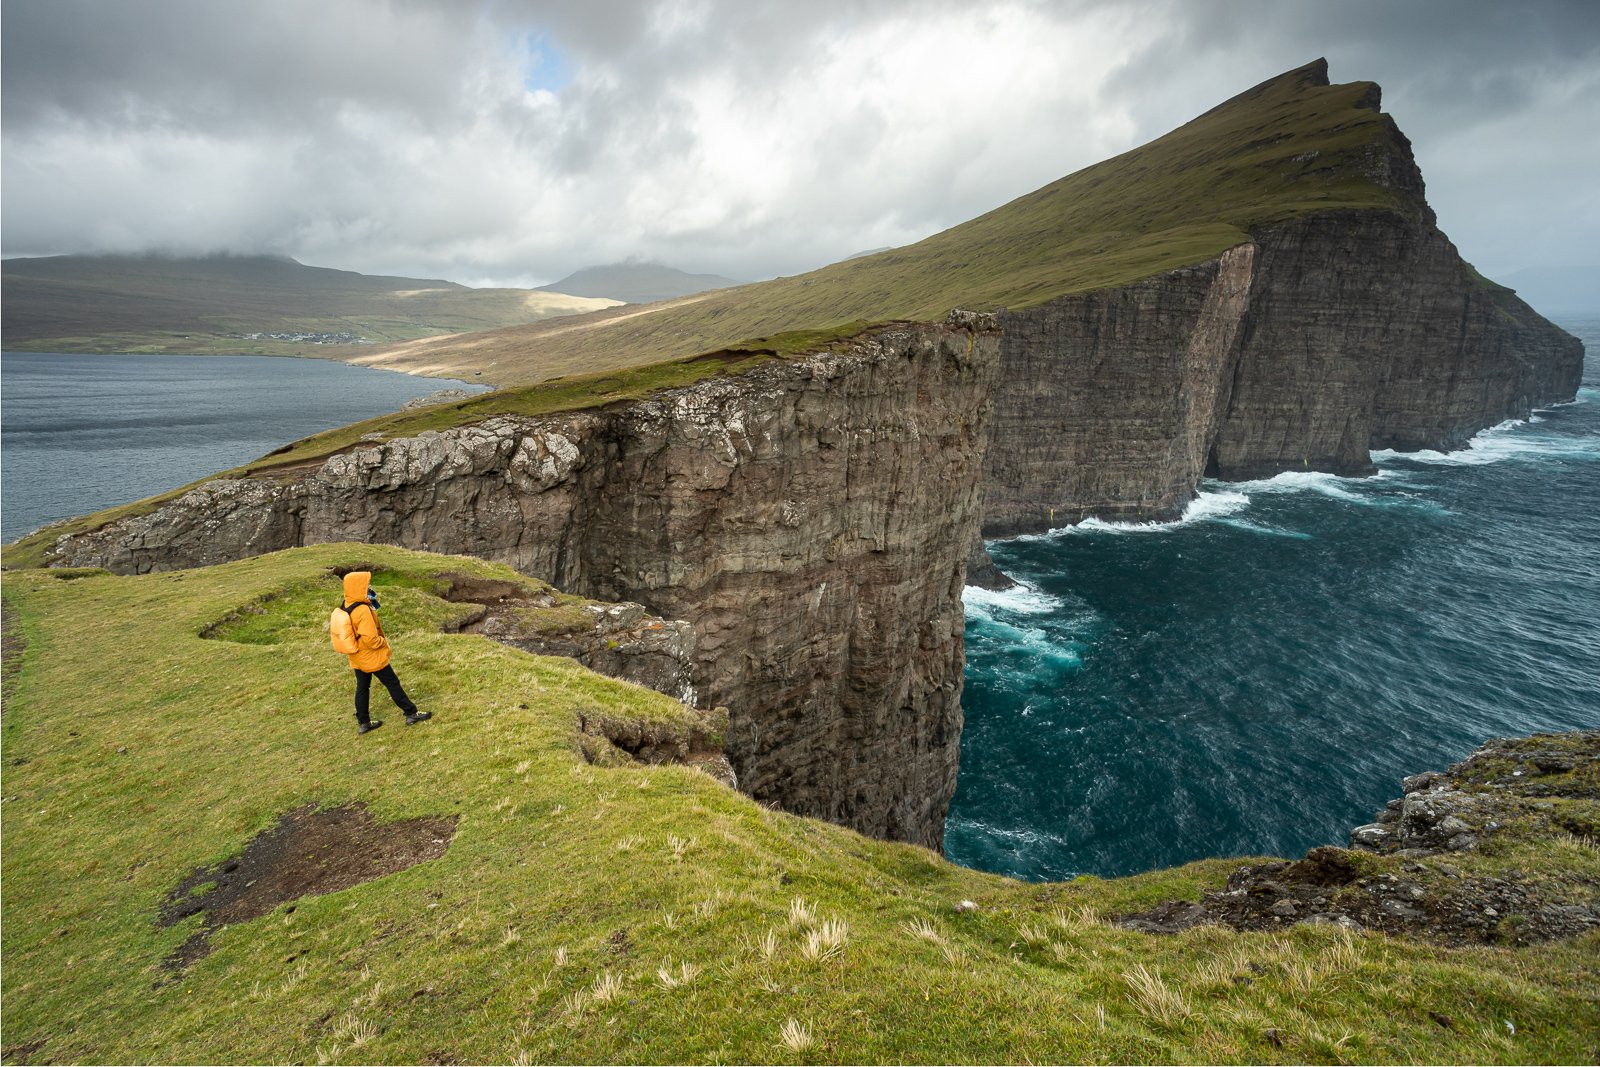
(418, 716)
(368, 727)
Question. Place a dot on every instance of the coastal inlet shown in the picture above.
(1252, 679)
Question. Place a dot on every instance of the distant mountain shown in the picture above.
(269, 304)
(637, 283)
(870, 252)
(1558, 290)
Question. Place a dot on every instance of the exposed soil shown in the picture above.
(20, 1053)
(468, 589)
(309, 853)
(491, 596)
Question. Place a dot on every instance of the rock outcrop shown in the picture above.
(1417, 871)
(811, 518)
(617, 640)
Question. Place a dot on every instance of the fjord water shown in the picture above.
(84, 432)
(1257, 678)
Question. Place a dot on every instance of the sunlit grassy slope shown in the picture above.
(193, 305)
(590, 914)
(1290, 147)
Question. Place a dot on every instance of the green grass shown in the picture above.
(136, 750)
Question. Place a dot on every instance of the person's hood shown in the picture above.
(356, 584)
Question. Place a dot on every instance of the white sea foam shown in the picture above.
(1206, 505)
(1331, 485)
(1020, 599)
(1261, 528)
(1001, 636)
(1513, 439)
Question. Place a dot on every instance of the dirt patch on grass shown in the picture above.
(21, 1053)
(470, 589)
(309, 853)
(489, 597)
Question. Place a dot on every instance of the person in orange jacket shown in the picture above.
(371, 656)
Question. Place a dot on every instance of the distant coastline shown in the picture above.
(85, 431)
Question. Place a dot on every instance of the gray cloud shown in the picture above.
(515, 140)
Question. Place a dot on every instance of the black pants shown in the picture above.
(390, 681)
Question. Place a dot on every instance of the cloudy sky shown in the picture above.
(513, 141)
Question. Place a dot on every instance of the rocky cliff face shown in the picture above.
(811, 518)
(1319, 340)
(1107, 401)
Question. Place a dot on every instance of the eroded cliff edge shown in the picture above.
(810, 517)
(1319, 339)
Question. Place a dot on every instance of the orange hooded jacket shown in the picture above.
(372, 648)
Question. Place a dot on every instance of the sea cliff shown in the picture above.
(1318, 340)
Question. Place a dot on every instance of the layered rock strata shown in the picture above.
(811, 518)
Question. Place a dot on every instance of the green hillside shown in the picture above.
(1291, 146)
(573, 912)
(212, 304)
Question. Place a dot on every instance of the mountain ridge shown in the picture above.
(635, 282)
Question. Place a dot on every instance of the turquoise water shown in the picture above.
(1258, 677)
(80, 432)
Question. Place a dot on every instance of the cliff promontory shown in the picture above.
(1326, 332)
(810, 517)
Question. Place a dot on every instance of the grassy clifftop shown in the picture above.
(1292, 146)
(569, 912)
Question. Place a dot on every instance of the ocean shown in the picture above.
(83, 432)
(1256, 678)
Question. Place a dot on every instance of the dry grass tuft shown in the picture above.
(795, 1036)
(802, 914)
(1076, 919)
(1033, 934)
(355, 1030)
(605, 988)
(1159, 1002)
(923, 930)
(687, 972)
(1582, 842)
(574, 1003)
(825, 942)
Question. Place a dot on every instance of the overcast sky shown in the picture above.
(513, 141)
